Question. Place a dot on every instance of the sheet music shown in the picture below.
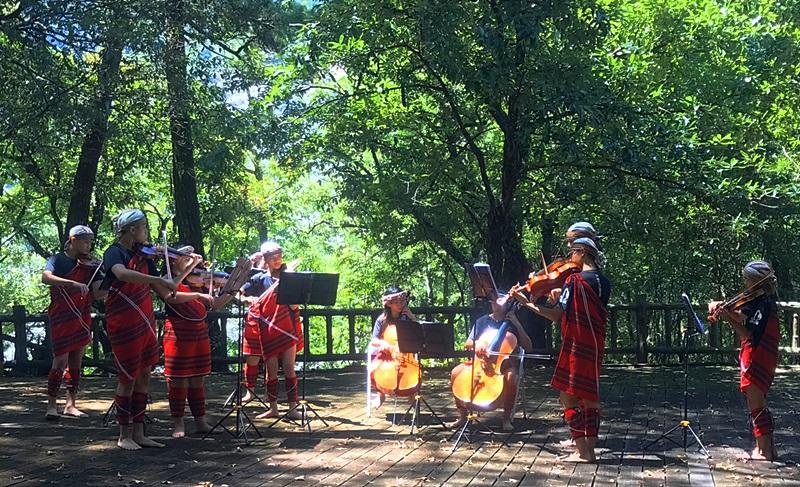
(483, 284)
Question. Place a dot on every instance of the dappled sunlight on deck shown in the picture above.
(640, 403)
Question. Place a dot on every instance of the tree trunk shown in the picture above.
(504, 239)
(184, 181)
(547, 228)
(83, 182)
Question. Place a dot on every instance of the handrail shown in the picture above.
(638, 332)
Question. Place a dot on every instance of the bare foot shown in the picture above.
(272, 413)
(569, 443)
(74, 412)
(757, 454)
(507, 426)
(146, 442)
(128, 444)
(577, 458)
(52, 413)
(295, 414)
(179, 431)
(201, 425)
(248, 396)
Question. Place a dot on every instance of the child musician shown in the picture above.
(73, 279)
(131, 324)
(756, 323)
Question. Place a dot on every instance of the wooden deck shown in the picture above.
(356, 450)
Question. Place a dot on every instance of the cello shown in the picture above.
(393, 372)
(481, 383)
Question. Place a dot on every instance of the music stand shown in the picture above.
(304, 288)
(434, 340)
(695, 327)
(483, 286)
(243, 421)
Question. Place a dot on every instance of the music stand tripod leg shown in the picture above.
(236, 406)
(684, 423)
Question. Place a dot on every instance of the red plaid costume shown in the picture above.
(187, 349)
(583, 333)
(132, 324)
(279, 326)
(252, 336)
(757, 363)
(69, 313)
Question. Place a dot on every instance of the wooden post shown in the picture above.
(668, 327)
(20, 318)
(351, 327)
(95, 338)
(613, 328)
(329, 334)
(715, 336)
(642, 321)
(795, 332)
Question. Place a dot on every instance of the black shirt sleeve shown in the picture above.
(60, 264)
(116, 254)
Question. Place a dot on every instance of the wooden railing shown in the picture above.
(639, 333)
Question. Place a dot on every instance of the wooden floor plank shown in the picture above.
(638, 404)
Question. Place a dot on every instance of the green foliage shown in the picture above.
(393, 141)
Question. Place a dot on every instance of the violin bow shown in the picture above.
(166, 258)
(94, 274)
(211, 273)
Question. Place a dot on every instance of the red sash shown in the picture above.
(187, 349)
(757, 363)
(279, 326)
(583, 334)
(131, 324)
(69, 313)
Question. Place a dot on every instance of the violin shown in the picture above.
(542, 282)
(737, 301)
(90, 261)
(481, 382)
(395, 373)
(200, 278)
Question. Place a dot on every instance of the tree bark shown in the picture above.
(184, 180)
(504, 228)
(83, 182)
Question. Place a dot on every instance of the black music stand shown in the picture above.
(433, 340)
(484, 287)
(695, 327)
(243, 421)
(304, 288)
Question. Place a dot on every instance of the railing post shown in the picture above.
(351, 328)
(795, 332)
(20, 318)
(715, 336)
(329, 334)
(642, 321)
(613, 325)
(95, 338)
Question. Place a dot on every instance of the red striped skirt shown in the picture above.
(757, 364)
(187, 348)
(131, 330)
(583, 334)
(251, 344)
